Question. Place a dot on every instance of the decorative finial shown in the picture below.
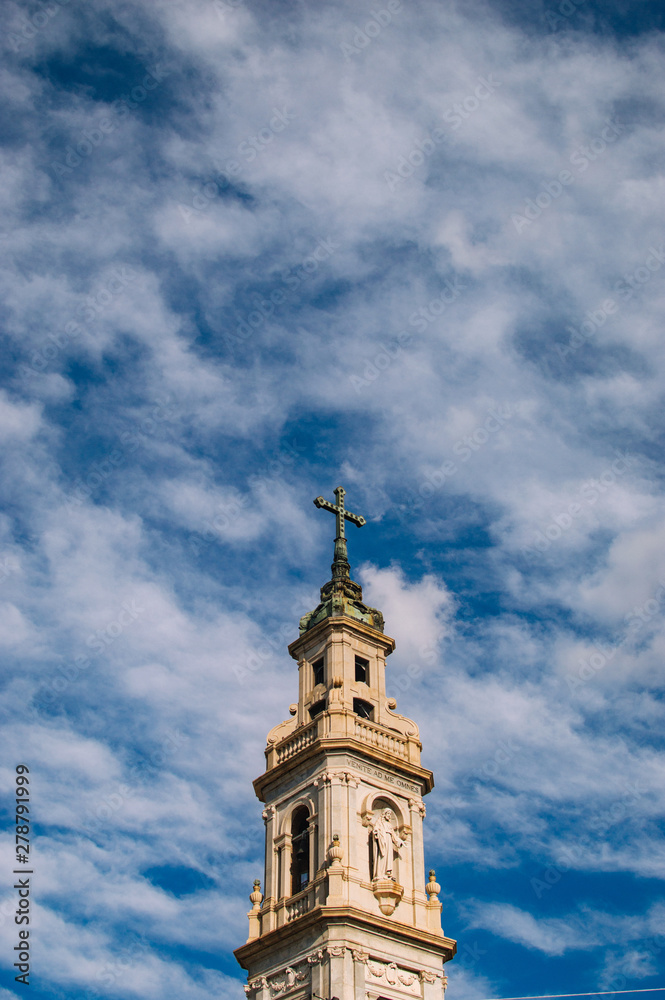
(256, 897)
(335, 852)
(340, 566)
(433, 888)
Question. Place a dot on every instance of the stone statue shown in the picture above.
(385, 842)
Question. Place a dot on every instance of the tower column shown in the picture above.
(352, 846)
(315, 962)
(359, 967)
(417, 814)
(283, 848)
(340, 965)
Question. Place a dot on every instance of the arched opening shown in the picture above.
(317, 671)
(299, 849)
(362, 670)
(316, 709)
(363, 708)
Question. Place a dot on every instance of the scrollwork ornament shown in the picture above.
(375, 970)
(292, 978)
(259, 984)
(406, 978)
(390, 972)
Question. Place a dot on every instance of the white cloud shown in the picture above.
(525, 766)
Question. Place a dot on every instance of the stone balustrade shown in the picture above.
(346, 724)
(379, 736)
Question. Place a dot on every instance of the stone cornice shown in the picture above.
(340, 624)
(323, 748)
(350, 915)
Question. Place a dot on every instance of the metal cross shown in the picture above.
(339, 511)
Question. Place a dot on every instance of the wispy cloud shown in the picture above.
(251, 254)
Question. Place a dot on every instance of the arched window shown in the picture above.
(317, 671)
(362, 669)
(363, 708)
(316, 709)
(299, 849)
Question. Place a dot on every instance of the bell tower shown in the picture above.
(345, 911)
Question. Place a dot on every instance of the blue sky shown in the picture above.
(254, 251)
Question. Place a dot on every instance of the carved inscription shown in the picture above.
(390, 779)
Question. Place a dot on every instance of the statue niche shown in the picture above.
(385, 843)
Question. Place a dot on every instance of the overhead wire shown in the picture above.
(595, 993)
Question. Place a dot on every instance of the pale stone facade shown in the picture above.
(345, 910)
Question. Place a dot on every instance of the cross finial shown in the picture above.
(341, 560)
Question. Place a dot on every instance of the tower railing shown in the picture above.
(379, 736)
(296, 742)
(344, 724)
(299, 905)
